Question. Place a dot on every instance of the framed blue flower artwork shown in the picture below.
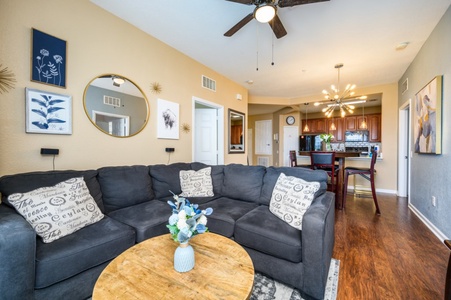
(48, 112)
(48, 59)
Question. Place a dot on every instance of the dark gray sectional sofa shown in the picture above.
(133, 199)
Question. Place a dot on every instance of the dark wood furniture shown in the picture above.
(294, 160)
(325, 160)
(341, 157)
(367, 173)
(448, 274)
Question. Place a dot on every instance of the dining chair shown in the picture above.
(294, 161)
(448, 274)
(325, 160)
(367, 173)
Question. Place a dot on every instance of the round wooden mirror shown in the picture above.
(116, 105)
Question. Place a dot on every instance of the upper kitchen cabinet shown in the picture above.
(374, 128)
(339, 132)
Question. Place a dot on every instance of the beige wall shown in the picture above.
(98, 43)
(386, 179)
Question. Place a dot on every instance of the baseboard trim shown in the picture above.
(383, 191)
(428, 223)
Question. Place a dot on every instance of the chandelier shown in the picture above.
(337, 97)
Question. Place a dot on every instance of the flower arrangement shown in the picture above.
(326, 137)
(187, 220)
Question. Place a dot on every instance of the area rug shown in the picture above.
(268, 289)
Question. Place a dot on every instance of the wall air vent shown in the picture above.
(208, 83)
(263, 161)
(405, 86)
(113, 101)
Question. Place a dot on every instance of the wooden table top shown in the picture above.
(223, 270)
(338, 154)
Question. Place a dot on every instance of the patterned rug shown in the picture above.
(269, 289)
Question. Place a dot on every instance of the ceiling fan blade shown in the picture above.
(242, 1)
(239, 25)
(277, 27)
(286, 3)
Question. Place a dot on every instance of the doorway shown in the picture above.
(290, 142)
(404, 154)
(208, 132)
(114, 124)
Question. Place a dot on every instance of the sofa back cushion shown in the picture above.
(273, 173)
(125, 186)
(25, 182)
(243, 182)
(165, 178)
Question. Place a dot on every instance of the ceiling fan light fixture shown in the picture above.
(265, 13)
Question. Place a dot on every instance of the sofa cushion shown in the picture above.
(125, 186)
(59, 210)
(291, 198)
(273, 173)
(149, 219)
(225, 213)
(262, 231)
(217, 176)
(243, 182)
(196, 183)
(25, 182)
(165, 178)
(80, 251)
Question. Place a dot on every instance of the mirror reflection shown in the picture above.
(236, 132)
(116, 105)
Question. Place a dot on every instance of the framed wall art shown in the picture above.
(48, 112)
(167, 120)
(48, 59)
(428, 118)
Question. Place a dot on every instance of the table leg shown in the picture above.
(341, 174)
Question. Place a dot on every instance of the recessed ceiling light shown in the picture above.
(402, 46)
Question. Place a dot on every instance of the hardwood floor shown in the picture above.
(391, 256)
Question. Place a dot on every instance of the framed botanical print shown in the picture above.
(48, 59)
(48, 112)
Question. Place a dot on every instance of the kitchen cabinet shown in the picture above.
(359, 120)
(351, 123)
(316, 126)
(339, 133)
(374, 128)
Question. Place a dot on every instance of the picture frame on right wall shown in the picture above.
(428, 118)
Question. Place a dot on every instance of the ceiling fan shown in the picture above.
(266, 12)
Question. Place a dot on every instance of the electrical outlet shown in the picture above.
(434, 201)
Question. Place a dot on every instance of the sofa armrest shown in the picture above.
(17, 256)
(317, 243)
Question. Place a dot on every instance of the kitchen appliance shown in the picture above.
(356, 136)
(363, 150)
(309, 143)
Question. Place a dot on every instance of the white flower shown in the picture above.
(182, 224)
(203, 220)
(182, 215)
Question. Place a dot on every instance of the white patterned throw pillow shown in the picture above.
(196, 183)
(58, 210)
(291, 197)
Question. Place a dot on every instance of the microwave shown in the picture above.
(356, 136)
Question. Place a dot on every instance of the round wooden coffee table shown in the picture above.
(223, 270)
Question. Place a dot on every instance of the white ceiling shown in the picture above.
(361, 34)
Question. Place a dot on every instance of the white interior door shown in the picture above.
(290, 142)
(250, 146)
(404, 151)
(206, 137)
(263, 137)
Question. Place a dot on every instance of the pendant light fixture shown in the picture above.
(306, 128)
(363, 125)
(332, 126)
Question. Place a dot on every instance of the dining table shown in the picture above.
(340, 156)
